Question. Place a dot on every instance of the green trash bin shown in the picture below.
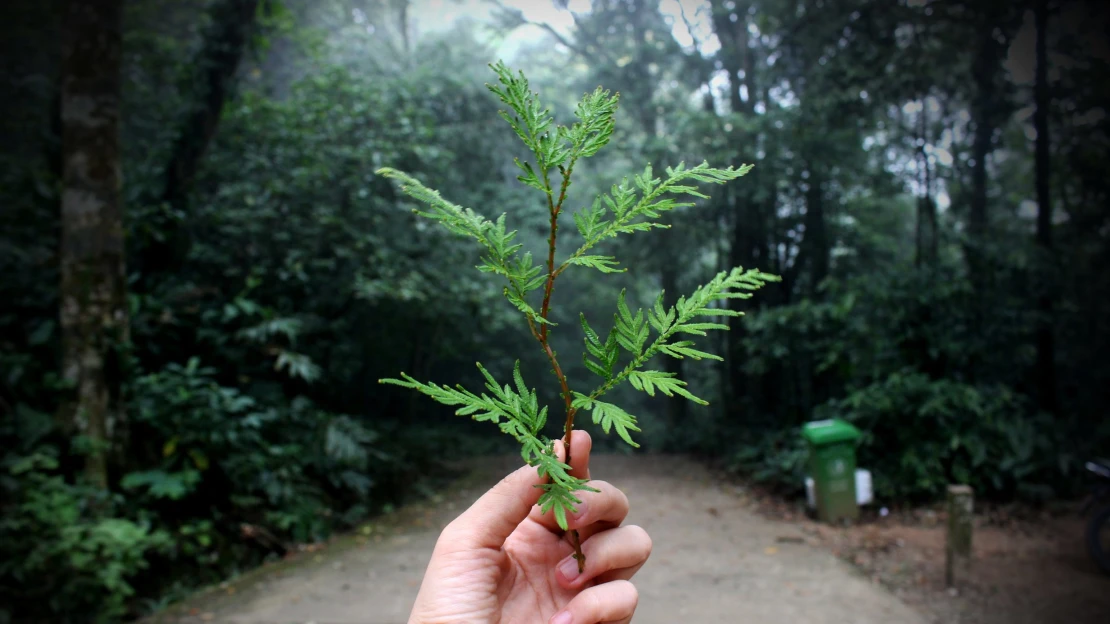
(832, 465)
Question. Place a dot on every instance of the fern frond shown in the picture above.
(631, 328)
(609, 416)
(461, 221)
(531, 121)
(605, 264)
(596, 113)
(649, 381)
(517, 413)
(634, 206)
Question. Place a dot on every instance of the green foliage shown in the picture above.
(631, 208)
(62, 552)
(286, 463)
(891, 354)
(920, 435)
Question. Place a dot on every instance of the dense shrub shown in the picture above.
(895, 354)
(234, 480)
(63, 551)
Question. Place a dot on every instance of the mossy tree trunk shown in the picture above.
(93, 304)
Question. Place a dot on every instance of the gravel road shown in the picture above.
(714, 561)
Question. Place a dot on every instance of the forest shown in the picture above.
(204, 278)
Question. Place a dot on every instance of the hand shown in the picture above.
(501, 561)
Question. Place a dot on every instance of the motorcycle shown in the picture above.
(1098, 528)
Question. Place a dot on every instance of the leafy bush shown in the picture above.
(777, 457)
(61, 550)
(288, 468)
(225, 481)
(896, 355)
(919, 435)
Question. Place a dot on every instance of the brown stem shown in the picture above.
(555, 207)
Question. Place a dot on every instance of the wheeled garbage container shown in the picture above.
(832, 465)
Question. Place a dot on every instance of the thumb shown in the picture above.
(493, 517)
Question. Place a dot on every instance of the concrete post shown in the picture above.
(961, 504)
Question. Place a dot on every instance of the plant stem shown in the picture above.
(554, 208)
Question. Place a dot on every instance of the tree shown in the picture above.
(212, 81)
(1045, 368)
(93, 310)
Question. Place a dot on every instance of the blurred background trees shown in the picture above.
(203, 277)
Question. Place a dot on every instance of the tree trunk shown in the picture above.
(1045, 369)
(93, 309)
(232, 22)
(734, 52)
(927, 247)
(816, 233)
(982, 115)
(403, 25)
(736, 58)
(216, 64)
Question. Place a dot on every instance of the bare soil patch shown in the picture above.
(1030, 566)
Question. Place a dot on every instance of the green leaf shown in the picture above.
(521, 388)
(605, 264)
(648, 381)
(595, 368)
(590, 221)
(596, 113)
(298, 365)
(459, 220)
(530, 178)
(683, 349)
(592, 339)
(636, 206)
(610, 416)
(699, 329)
(518, 301)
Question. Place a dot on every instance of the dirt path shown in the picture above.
(714, 561)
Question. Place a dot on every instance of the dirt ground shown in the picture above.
(714, 561)
(1029, 566)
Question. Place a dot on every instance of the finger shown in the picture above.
(496, 514)
(611, 602)
(580, 445)
(597, 511)
(615, 550)
(623, 574)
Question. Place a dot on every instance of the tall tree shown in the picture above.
(995, 27)
(1045, 368)
(227, 38)
(93, 311)
(214, 70)
(736, 58)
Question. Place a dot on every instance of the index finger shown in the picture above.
(580, 445)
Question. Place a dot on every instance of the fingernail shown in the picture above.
(569, 569)
(581, 508)
(562, 617)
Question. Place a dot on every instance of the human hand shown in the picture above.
(501, 561)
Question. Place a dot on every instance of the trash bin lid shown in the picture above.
(822, 432)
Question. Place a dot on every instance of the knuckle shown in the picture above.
(450, 532)
(641, 537)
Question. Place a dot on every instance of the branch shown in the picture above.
(518, 16)
(224, 44)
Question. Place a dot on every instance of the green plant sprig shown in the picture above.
(625, 209)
